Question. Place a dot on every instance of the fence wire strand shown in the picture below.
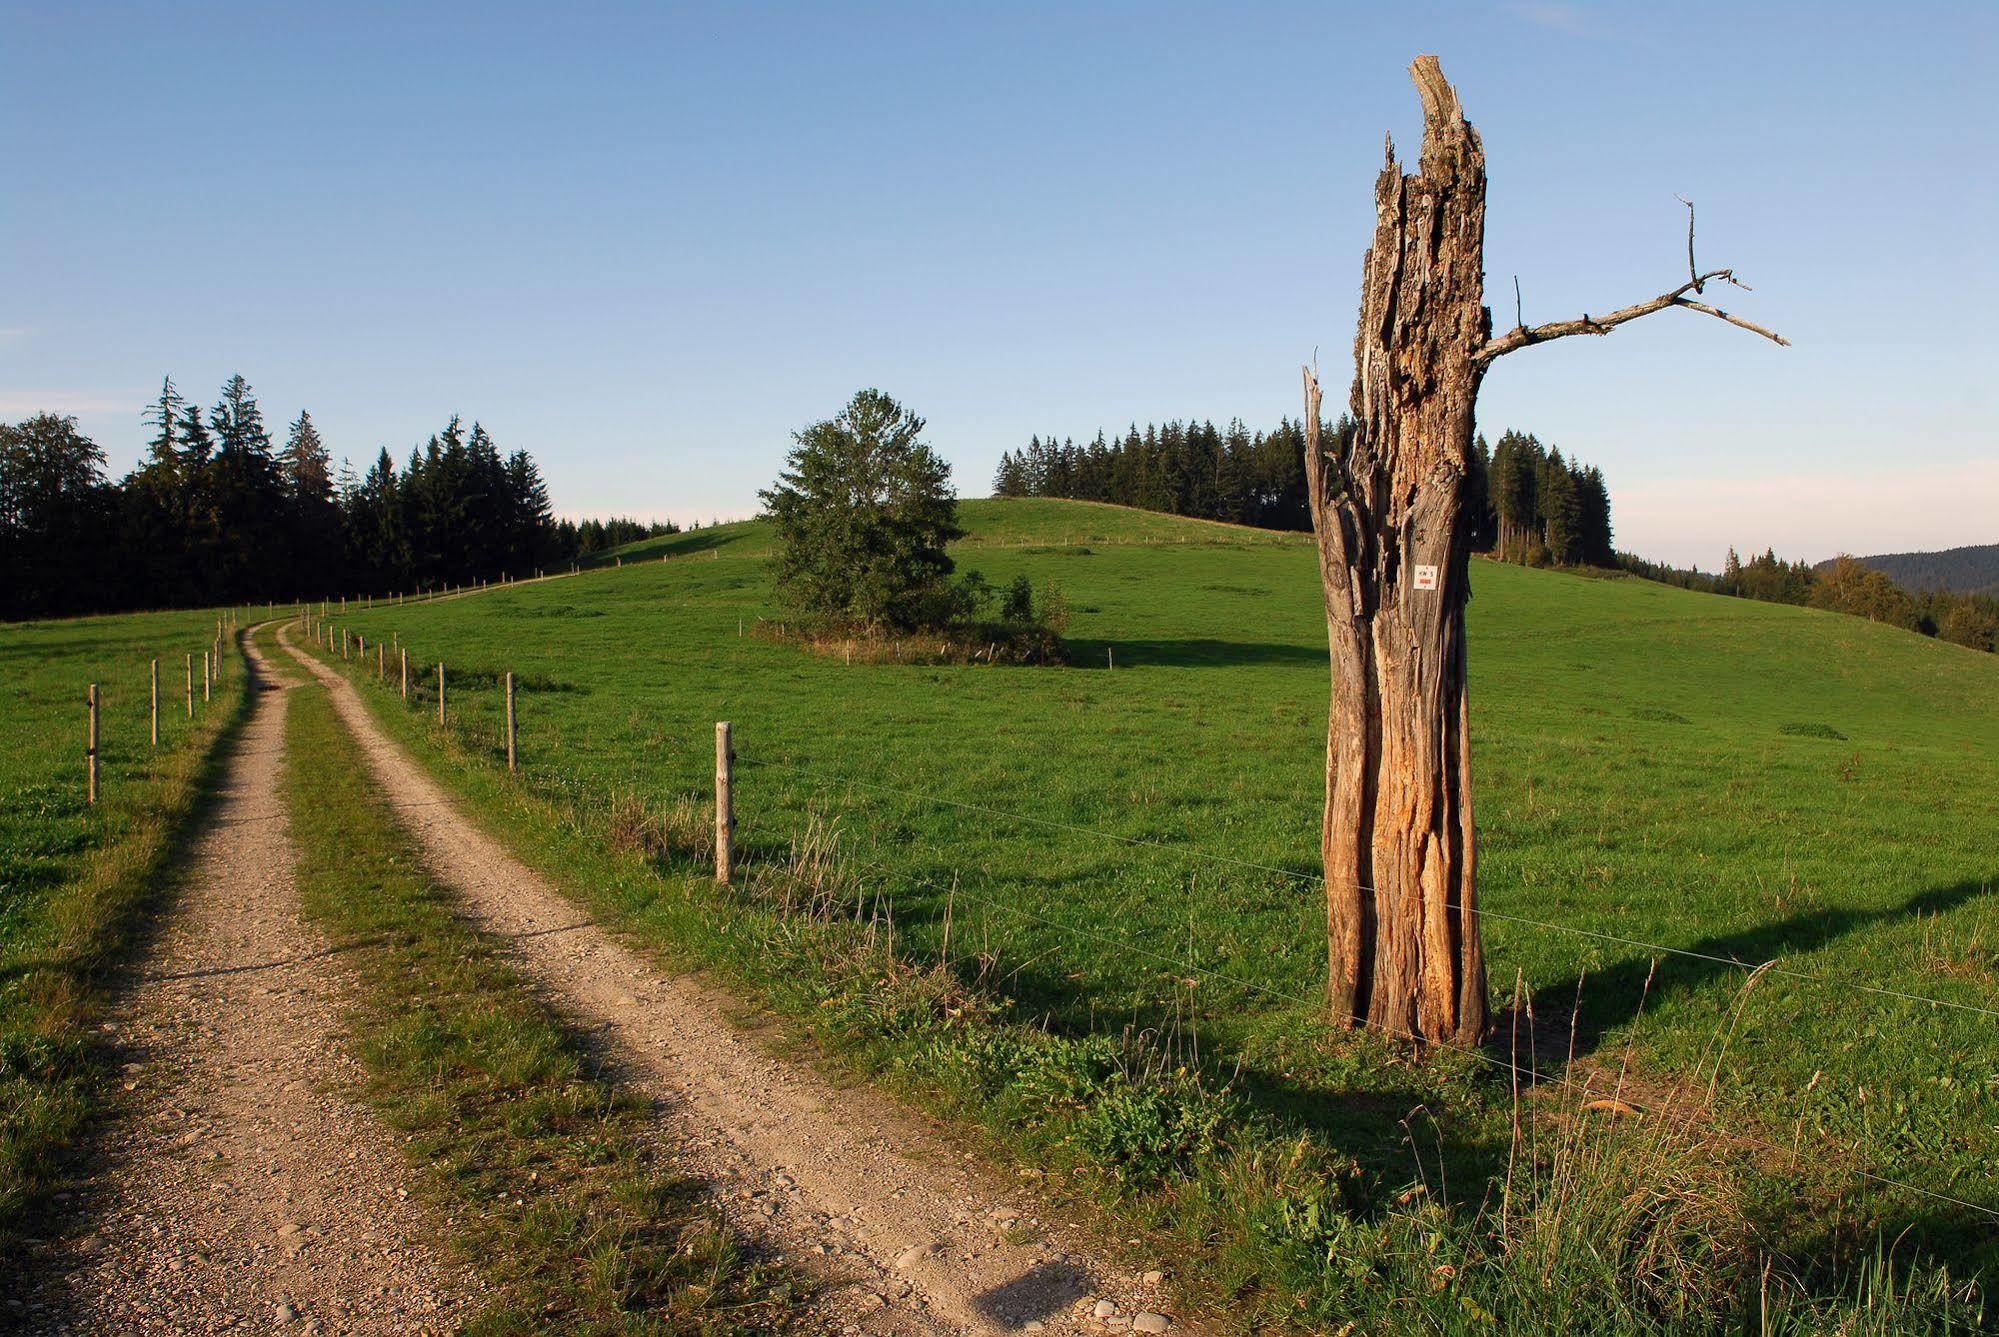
(1532, 1076)
(1509, 1066)
(1192, 852)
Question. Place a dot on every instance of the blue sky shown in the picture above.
(648, 242)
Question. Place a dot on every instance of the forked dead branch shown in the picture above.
(1398, 841)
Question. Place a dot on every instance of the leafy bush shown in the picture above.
(1019, 604)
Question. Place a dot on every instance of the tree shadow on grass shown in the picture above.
(1380, 1122)
(695, 541)
(1584, 1008)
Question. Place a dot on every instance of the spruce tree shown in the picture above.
(1482, 521)
(863, 511)
(251, 554)
(305, 471)
(154, 505)
(1561, 513)
(163, 458)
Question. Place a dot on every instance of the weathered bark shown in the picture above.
(1400, 853)
(1402, 931)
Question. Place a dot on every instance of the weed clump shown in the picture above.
(816, 880)
(681, 829)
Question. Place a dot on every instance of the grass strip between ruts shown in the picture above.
(540, 1163)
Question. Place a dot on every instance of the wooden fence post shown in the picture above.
(190, 686)
(90, 749)
(156, 703)
(406, 672)
(510, 721)
(725, 804)
(381, 662)
(440, 693)
(207, 674)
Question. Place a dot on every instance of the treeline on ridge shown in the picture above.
(1844, 585)
(1967, 570)
(215, 513)
(1527, 503)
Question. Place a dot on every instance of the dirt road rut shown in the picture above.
(912, 1238)
(246, 1191)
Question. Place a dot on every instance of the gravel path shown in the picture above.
(244, 1190)
(908, 1235)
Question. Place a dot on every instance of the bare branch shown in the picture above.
(1524, 336)
(1736, 321)
(1693, 270)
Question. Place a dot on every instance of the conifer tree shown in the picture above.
(1561, 513)
(251, 553)
(154, 504)
(163, 458)
(863, 511)
(305, 471)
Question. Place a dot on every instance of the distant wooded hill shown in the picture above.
(1523, 501)
(1973, 570)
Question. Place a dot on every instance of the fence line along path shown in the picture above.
(832, 1177)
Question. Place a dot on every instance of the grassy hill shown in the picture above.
(1738, 780)
(989, 522)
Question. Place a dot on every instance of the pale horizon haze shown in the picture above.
(647, 243)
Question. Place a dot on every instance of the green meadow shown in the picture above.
(1128, 844)
(76, 879)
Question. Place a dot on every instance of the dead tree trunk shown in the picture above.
(1404, 949)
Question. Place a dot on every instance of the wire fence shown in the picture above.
(1532, 1075)
(1389, 895)
(956, 890)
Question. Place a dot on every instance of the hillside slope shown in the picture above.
(992, 522)
(1736, 780)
